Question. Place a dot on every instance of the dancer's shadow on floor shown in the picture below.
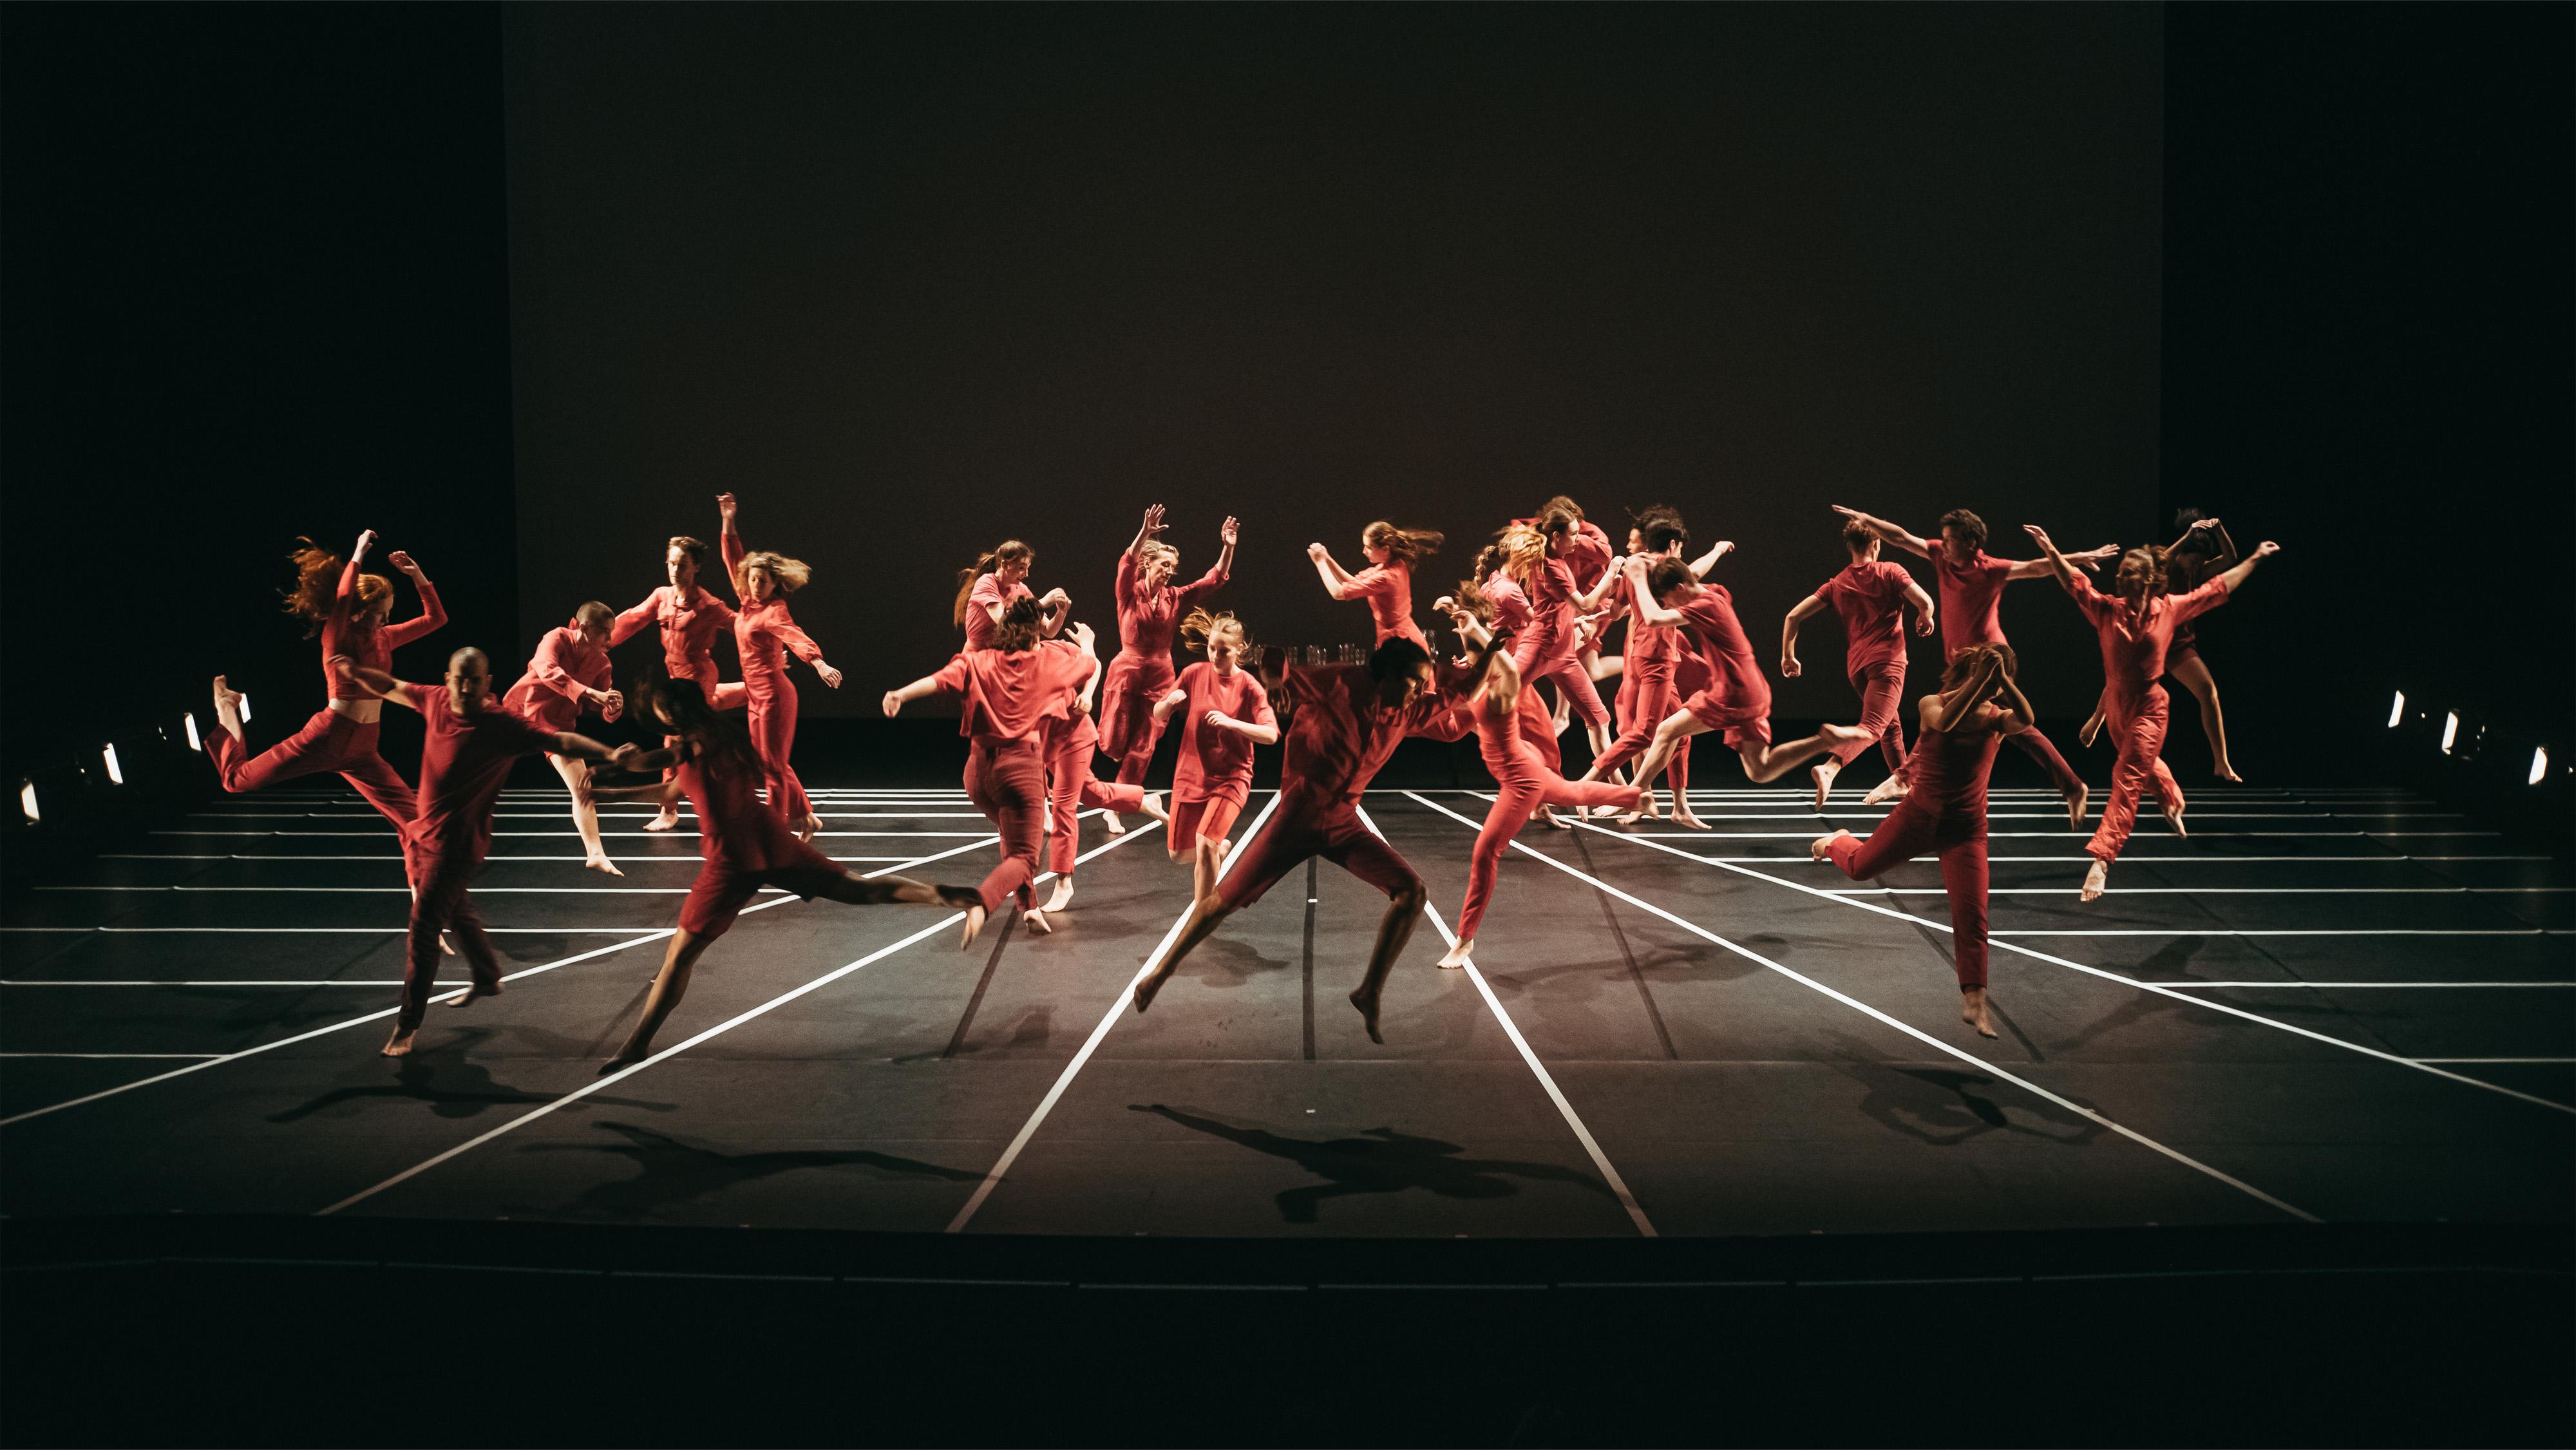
(1958, 1109)
(673, 1171)
(452, 1086)
(1381, 1161)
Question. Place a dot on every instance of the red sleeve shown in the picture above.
(1207, 583)
(1123, 588)
(952, 675)
(721, 610)
(731, 543)
(1260, 702)
(432, 615)
(1375, 579)
(795, 639)
(547, 668)
(2199, 601)
(634, 620)
(2096, 605)
(986, 594)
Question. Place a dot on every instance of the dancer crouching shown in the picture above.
(570, 675)
(1225, 713)
(1945, 809)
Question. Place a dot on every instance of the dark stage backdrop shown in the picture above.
(914, 280)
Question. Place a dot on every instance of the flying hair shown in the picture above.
(715, 739)
(1524, 553)
(791, 574)
(1965, 663)
(317, 586)
(1406, 544)
(1199, 628)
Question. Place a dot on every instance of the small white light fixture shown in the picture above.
(27, 802)
(245, 709)
(115, 772)
(2397, 709)
(2450, 730)
(2539, 764)
(190, 720)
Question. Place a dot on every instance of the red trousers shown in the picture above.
(773, 733)
(1524, 790)
(1566, 670)
(1293, 836)
(1654, 696)
(1072, 789)
(330, 741)
(443, 905)
(2136, 724)
(1908, 832)
(1006, 779)
(1881, 688)
(1128, 729)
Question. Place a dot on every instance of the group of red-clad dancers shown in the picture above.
(1531, 615)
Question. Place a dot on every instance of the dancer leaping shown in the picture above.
(1224, 714)
(688, 619)
(568, 677)
(763, 633)
(1387, 583)
(1149, 608)
(1873, 597)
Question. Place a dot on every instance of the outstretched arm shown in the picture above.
(373, 681)
(2244, 570)
(1226, 537)
(930, 684)
(1892, 533)
(432, 613)
(1700, 566)
(584, 748)
(2056, 562)
(1813, 604)
(1336, 578)
(2042, 568)
(1603, 588)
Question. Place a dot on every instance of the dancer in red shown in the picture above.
(1737, 700)
(348, 609)
(2203, 551)
(568, 677)
(1011, 692)
(1658, 668)
(745, 846)
(1587, 551)
(1071, 787)
(1971, 583)
(1224, 713)
(986, 587)
(1945, 811)
(1522, 782)
(465, 758)
(763, 633)
(2135, 630)
(1873, 597)
(1344, 723)
(1387, 583)
(1149, 606)
(1549, 649)
(689, 619)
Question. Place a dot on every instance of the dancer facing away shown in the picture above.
(348, 609)
(2135, 630)
(1011, 693)
(1071, 787)
(465, 758)
(1149, 606)
(569, 676)
(1873, 597)
(745, 846)
(1658, 669)
(1550, 649)
(1737, 699)
(763, 633)
(2203, 550)
(1344, 723)
(1971, 584)
(1523, 782)
(1387, 582)
(1945, 811)
(689, 619)
(1224, 713)
(986, 587)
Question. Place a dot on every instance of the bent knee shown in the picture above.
(1410, 895)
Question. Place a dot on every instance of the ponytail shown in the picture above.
(984, 564)
(1406, 544)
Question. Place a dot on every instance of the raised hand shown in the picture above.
(2039, 536)
(2266, 549)
(1849, 513)
(366, 541)
(402, 561)
(1228, 533)
(1317, 552)
(1153, 520)
(725, 506)
(831, 676)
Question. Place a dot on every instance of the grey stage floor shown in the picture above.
(2338, 1004)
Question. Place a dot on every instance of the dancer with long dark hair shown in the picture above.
(1387, 583)
(1979, 707)
(1873, 597)
(763, 633)
(988, 586)
(2135, 631)
(1150, 607)
(1224, 714)
(744, 844)
(567, 677)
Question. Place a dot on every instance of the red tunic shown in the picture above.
(1217, 764)
(369, 646)
(1146, 616)
(735, 828)
(1511, 606)
(1970, 595)
(1871, 600)
(1013, 696)
(689, 624)
(989, 594)
(2134, 640)
(1388, 588)
(549, 696)
(464, 760)
(1588, 553)
(1737, 686)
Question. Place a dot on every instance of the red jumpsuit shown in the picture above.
(1523, 785)
(464, 761)
(763, 633)
(2134, 642)
(1512, 620)
(549, 696)
(1071, 787)
(1944, 811)
(1010, 700)
(1213, 777)
(689, 624)
(987, 595)
(745, 847)
(1971, 596)
(1871, 600)
(1388, 589)
(332, 740)
(1736, 699)
(1338, 739)
(1141, 672)
(1549, 649)
(1649, 694)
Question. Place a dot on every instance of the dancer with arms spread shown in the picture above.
(2135, 630)
(763, 633)
(1873, 597)
(1945, 810)
(1387, 583)
(1149, 607)
(688, 619)
(1658, 670)
(569, 676)
(1971, 584)
(1224, 713)
(744, 844)
(1344, 723)
(2203, 550)
(469, 744)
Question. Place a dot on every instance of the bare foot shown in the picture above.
(1629, 818)
(1458, 954)
(1972, 1010)
(2173, 819)
(1822, 847)
(1036, 922)
(1892, 788)
(446, 948)
(1116, 826)
(475, 993)
(399, 1045)
(625, 1059)
(2227, 774)
(601, 863)
(1554, 820)
(974, 923)
(1152, 983)
(1062, 896)
(1824, 774)
(667, 820)
(1368, 1014)
(2095, 880)
(228, 708)
(1153, 807)
(2075, 807)
(1683, 818)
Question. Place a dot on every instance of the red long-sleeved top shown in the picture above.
(689, 624)
(2134, 640)
(763, 633)
(1013, 696)
(1338, 737)
(551, 694)
(369, 646)
(1146, 617)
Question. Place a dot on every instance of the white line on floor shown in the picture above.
(1909, 1030)
(1011, 1154)
(2489, 1061)
(1511, 1029)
